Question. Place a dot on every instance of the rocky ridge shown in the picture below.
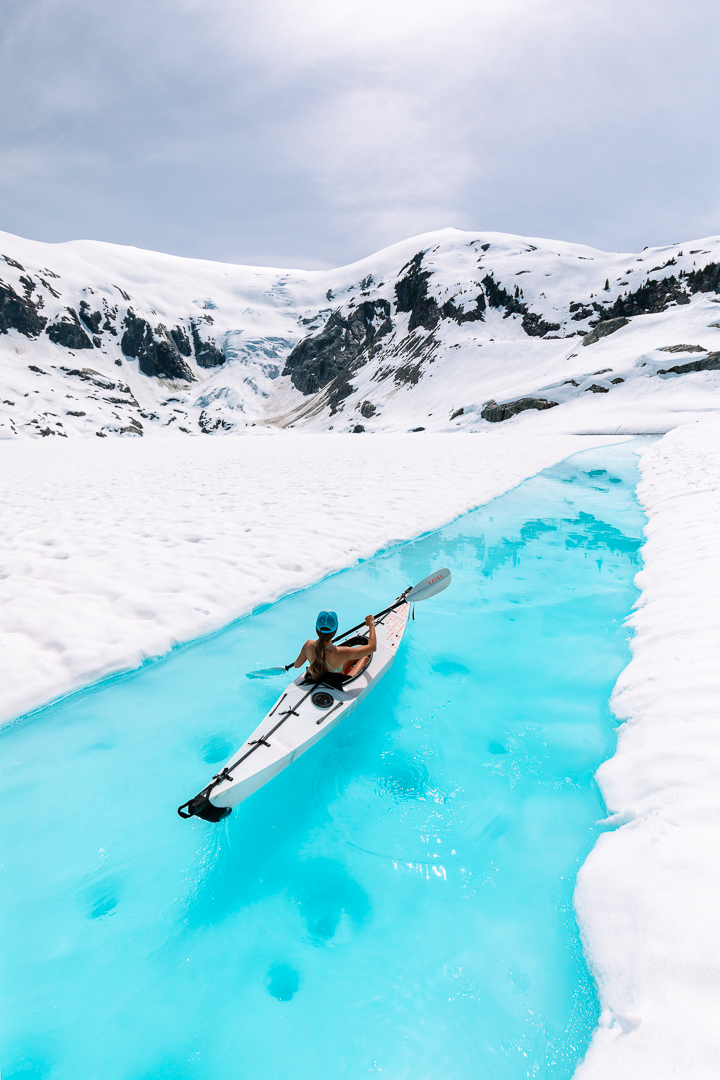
(149, 343)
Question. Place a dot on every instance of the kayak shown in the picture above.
(308, 709)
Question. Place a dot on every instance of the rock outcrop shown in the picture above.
(18, 313)
(68, 332)
(496, 413)
(411, 295)
(711, 362)
(344, 343)
(156, 350)
(610, 326)
(207, 354)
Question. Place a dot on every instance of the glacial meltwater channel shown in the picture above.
(399, 901)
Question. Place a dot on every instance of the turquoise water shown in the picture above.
(399, 901)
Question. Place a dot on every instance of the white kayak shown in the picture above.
(307, 710)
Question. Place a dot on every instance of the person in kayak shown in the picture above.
(324, 657)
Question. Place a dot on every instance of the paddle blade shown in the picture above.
(429, 586)
(264, 673)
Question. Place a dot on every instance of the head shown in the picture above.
(326, 623)
(326, 626)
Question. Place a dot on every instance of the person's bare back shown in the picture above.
(323, 657)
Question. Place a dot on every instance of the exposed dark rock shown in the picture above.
(68, 413)
(38, 370)
(12, 262)
(458, 412)
(358, 429)
(49, 288)
(603, 329)
(134, 428)
(411, 295)
(156, 351)
(501, 298)
(135, 331)
(682, 348)
(182, 342)
(706, 279)
(110, 316)
(616, 381)
(159, 358)
(68, 332)
(417, 429)
(29, 287)
(367, 409)
(90, 375)
(208, 426)
(496, 413)
(207, 354)
(651, 298)
(344, 343)
(449, 311)
(408, 374)
(580, 312)
(337, 391)
(595, 389)
(711, 362)
(535, 326)
(414, 355)
(19, 314)
(92, 319)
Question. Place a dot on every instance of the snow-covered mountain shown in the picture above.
(447, 331)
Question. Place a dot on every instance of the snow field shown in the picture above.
(114, 551)
(647, 895)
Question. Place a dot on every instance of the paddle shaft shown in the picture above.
(398, 603)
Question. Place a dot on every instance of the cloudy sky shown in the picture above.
(313, 133)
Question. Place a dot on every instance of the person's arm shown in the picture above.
(302, 657)
(354, 652)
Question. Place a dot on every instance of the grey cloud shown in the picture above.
(312, 135)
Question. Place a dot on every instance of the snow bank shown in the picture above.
(116, 551)
(647, 896)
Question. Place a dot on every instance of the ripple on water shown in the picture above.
(217, 748)
(403, 776)
(101, 898)
(283, 982)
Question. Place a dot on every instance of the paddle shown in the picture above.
(429, 586)
(264, 673)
